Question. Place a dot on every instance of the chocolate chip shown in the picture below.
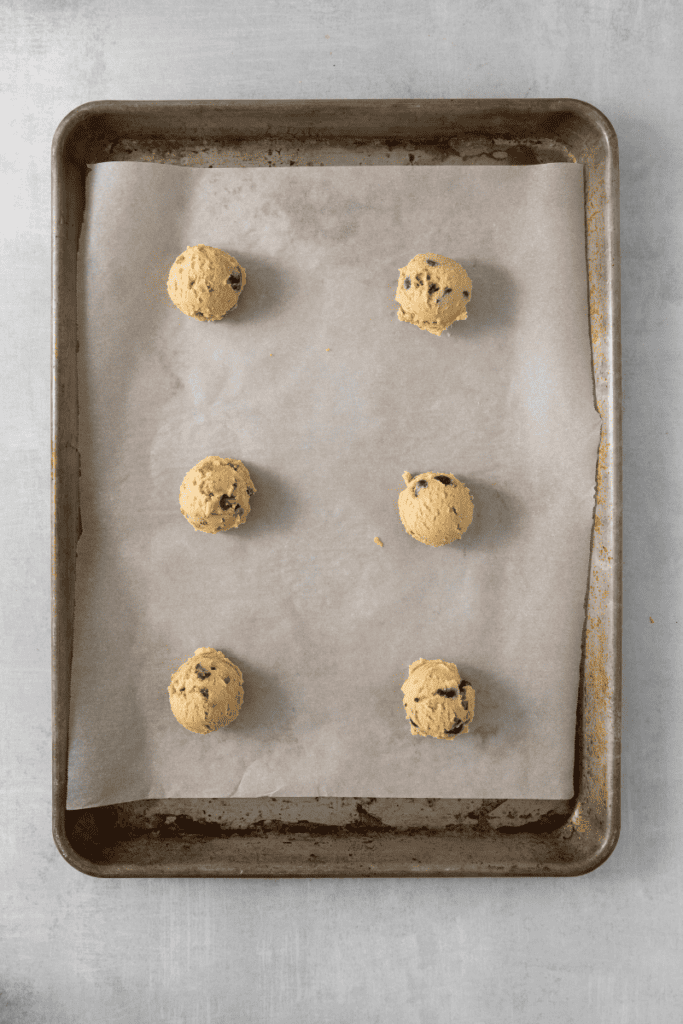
(238, 510)
(420, 486)
(444, 479)
(201, 671)
(458, 727)
(226, 679)
(406, 283)
(250, 491)
(432, 288)
(412, 722)
(204, 692)
(447, 693)
(416, 699)
(181, 690)
(225, 502)
(235, 280)
(432, 263)
(466, 294)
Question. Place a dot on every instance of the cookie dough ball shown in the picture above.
(206, 692)
(437, 701)
(433, 292)
(205, 283)
(215, 493)
(435, 508)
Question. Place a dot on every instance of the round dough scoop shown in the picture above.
(214, 494)
(205, 283)
(437, 701)
(435, 508)
(206, 692)
(433, 292)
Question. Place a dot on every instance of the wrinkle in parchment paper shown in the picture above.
(328, 398)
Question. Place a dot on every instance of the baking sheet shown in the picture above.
(321, 620)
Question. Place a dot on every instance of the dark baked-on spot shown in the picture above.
(202, 672)
(226, 679)
(235, 280)
(444, 479)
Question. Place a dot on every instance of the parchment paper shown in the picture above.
(322, 621)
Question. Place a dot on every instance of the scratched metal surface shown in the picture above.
(289, 837)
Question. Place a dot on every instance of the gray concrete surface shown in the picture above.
(599, 949)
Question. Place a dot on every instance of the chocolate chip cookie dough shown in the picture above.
(214, 494)
(433, 292)
(206, 692)
(205, 283)
(435, 508)
(437, 701)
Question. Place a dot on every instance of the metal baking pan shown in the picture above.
(317, 836)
